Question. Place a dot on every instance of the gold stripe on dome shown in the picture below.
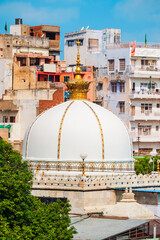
(60, 130)
(100, 127)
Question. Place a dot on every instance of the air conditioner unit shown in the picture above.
(145, 129)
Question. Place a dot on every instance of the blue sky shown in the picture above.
(133, 17)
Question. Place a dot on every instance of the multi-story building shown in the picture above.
(44, 32)
(32, 79)
(132, 91)
(127, 81)
(93, 43)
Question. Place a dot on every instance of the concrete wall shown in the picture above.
(20, 29)
(24, 77)
(5, 75)
(88, 57)
(82, 201)
(141, 197)
(30, 45)
(6, 46)
(4, 133)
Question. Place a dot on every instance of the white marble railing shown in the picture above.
(96, 182)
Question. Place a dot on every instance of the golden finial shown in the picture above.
(78, 68)
(78, 87)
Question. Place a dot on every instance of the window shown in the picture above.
(92, 43)
(66, 78)
(12, 118)
(122, 64)
(122, 87)
(144, 130)
(22, 61)
(157, 128)
(5, 119)
(81, 42)
(116, 38)
(111, 65)
(146, 86)
(70, 43)
(34, 61)
(133, 86)
(144, 62)
(158, 105)
(50, 35)
(100, 86)
(146, 108)
(114, 86)
(122, 107)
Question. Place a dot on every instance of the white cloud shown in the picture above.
(136, 10)
(38, 15)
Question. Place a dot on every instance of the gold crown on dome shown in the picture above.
(78, 87)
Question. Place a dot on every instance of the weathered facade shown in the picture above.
(31, 78)
(27, 37)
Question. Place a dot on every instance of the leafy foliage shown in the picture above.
(144, 166)
(23, 216)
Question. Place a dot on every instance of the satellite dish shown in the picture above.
(82, 28)
(87, 27)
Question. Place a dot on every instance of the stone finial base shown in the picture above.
(128, 197)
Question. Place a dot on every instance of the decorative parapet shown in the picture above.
(96, 166)
(42, 181)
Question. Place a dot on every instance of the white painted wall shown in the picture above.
(43, 51)
(15, 29)
(5, 75)
(88, 57)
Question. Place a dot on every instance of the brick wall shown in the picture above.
(58, 97)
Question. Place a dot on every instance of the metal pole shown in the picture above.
(154, 231)
(153, 164)
(96, 83)
(83, 168)
(138, 137)
(158, 165)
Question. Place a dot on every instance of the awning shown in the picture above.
(6, 126)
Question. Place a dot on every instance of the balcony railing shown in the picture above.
(141, 92)
(147, 115)
(144, 68)
(138, 45)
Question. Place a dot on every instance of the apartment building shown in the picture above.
(92, 48)
(132, 91)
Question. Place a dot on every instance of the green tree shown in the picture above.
(143, 166)
(23, 216)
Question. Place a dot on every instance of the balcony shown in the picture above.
(54, 45)
(144, 71)
(145, 138)
(141, 93)
(155, 116)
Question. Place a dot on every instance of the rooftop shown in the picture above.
(101, 228)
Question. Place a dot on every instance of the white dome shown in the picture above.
(76, 127)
